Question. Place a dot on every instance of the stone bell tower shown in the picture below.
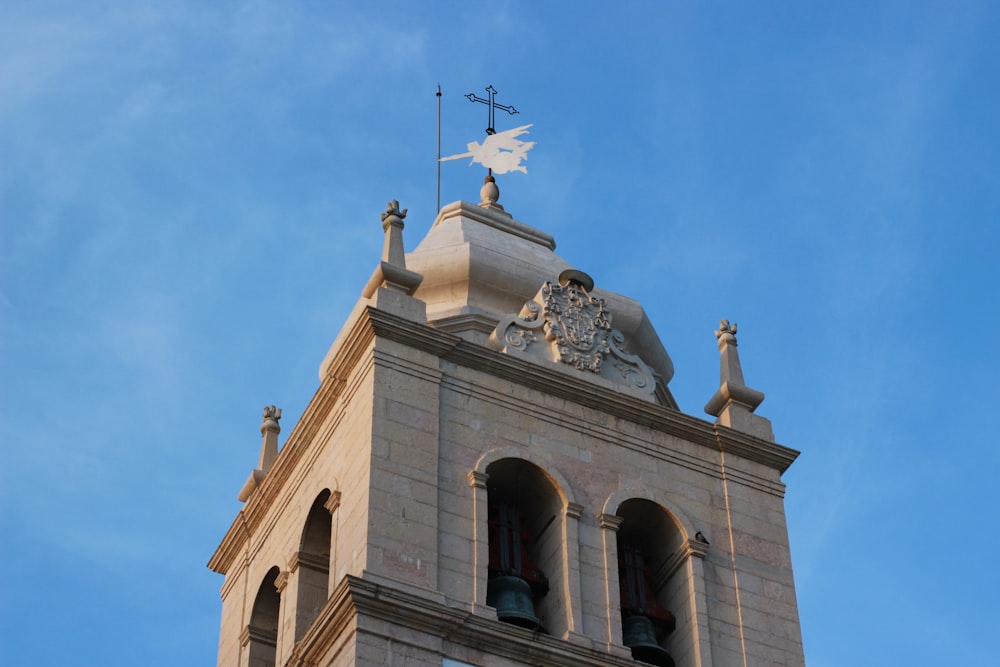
(493, 471)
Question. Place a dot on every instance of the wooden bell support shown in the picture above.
(644, 619)
(515, 580)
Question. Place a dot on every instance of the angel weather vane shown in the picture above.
(500, 152)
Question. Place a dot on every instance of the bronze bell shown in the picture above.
(640, 636)
(511, 597)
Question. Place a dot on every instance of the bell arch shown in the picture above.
(647, 539)
(543, 463)
(261, 635)
(655, 576)
(636, 491)
(525, 522)
(312, 563)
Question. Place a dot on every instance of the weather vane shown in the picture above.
(500, 152)
(491, 103)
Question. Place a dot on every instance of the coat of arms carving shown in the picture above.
(566, 324)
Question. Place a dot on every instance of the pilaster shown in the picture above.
(571, 540)
(610, 523)
(332, 505)
(694, 563)
(480, 537)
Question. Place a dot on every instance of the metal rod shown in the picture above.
(439, 150)
(493, 94)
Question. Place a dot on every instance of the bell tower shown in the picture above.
(493, 471)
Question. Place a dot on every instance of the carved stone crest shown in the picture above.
(565, 324)
(578, 324)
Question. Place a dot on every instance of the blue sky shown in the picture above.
(189, 206)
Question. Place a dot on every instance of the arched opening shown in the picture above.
(262, 633)
(526, 564)
(313, 565)
(648, 543)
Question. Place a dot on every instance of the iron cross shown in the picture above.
(491, 103)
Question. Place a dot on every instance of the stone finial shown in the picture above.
(490, 194)
(733, 404)
(392, 209)
(270, 419)
(730, 372)
(391, 272)
(269, 429)
(392, 225)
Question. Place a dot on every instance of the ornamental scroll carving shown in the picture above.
(565, 324)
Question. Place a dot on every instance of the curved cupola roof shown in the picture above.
(493, 280)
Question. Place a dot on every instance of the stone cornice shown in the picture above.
(355, 596)
(326, 629)
(412, 334)
(466, 322)
(756, 449)
(497, 219)
(564, 385)
(228, 550)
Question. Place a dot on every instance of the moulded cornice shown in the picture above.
(412, 334)
(466, 322)
(229, 549)
(501, 220)
(562, 385)
(580, 391)
(327, 628)
(355, 596)
(349, 347)
(756, 449)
